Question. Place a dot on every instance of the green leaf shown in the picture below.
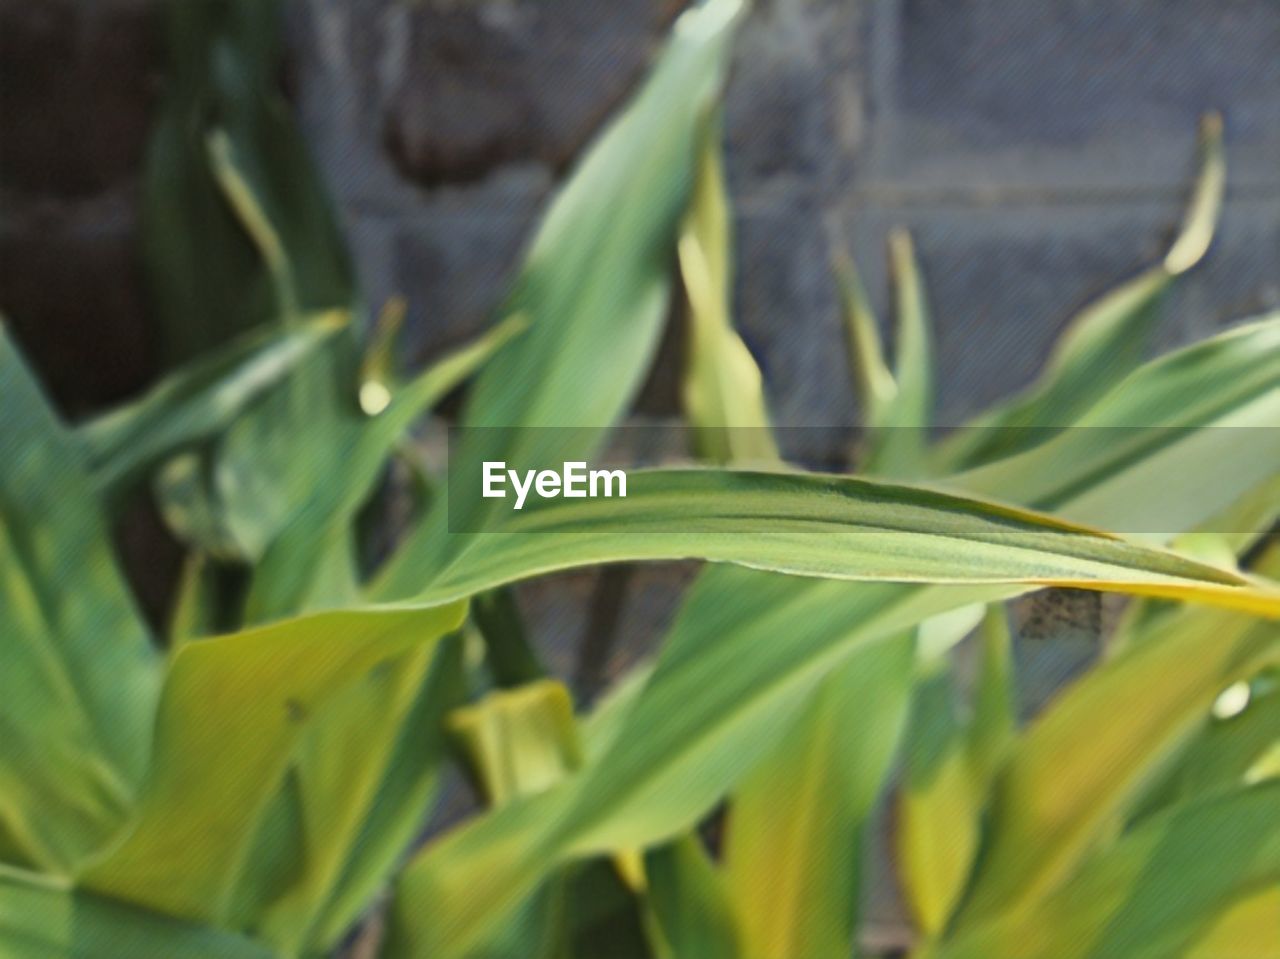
(519, 741)
(405, 794)
(897, 407)
(875, 384)
(1168, 426)
(1108, 735)
(195, 402)
(285, 581)
(239, 232)
(1160, 887)
(239, 702)
(689, 912)
(829, 526)
(949, 761)
(594, 287)
(207, 265)
(733, 673)
(796, 823)
(1104, 342)
(723, 391)
(356, 782)
(994, 723)
(80, 678)
(1224, 752)
(898, 446)
(343, 778)
(44, 918)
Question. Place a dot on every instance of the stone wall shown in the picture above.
(1038, 150)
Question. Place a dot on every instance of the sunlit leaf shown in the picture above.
(722, 390)
(795, 829)
(732, 674)
(948, 765)
(829, 526)
(1153, 894)
(239, 702)
(519, 741)
(1107, 735)
(594, 288)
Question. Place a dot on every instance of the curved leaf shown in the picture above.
(240, 702)
(1103, 342)
(828, 526)
(1161, 887)
(80, 678)
(594, 287)
(733, 673)
(1107, 735)
(195, 402)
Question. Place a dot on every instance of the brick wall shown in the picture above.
(1038, 150)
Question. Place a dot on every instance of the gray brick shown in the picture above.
(1003, 282)
(1007, 94)
(786, 309)
(794, 110)
(456, 91)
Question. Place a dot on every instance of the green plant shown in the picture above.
(254, 793)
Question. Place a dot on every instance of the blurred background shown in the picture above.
(1039, 151)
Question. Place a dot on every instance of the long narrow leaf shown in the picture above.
(948, 766)
(195, 402)
(1105, 341)
(80, 678)
(876, 386)
(731, 674)
(796, 824)
(1162, 690)
(1159, 889)
(723, 391)
(898, 447)
(594, 287)
(828, 526)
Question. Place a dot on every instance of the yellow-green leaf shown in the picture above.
(1169, 882)
(239, 702)
(722, 390)
(1107, 736)
(795, 827)
(80, 678)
